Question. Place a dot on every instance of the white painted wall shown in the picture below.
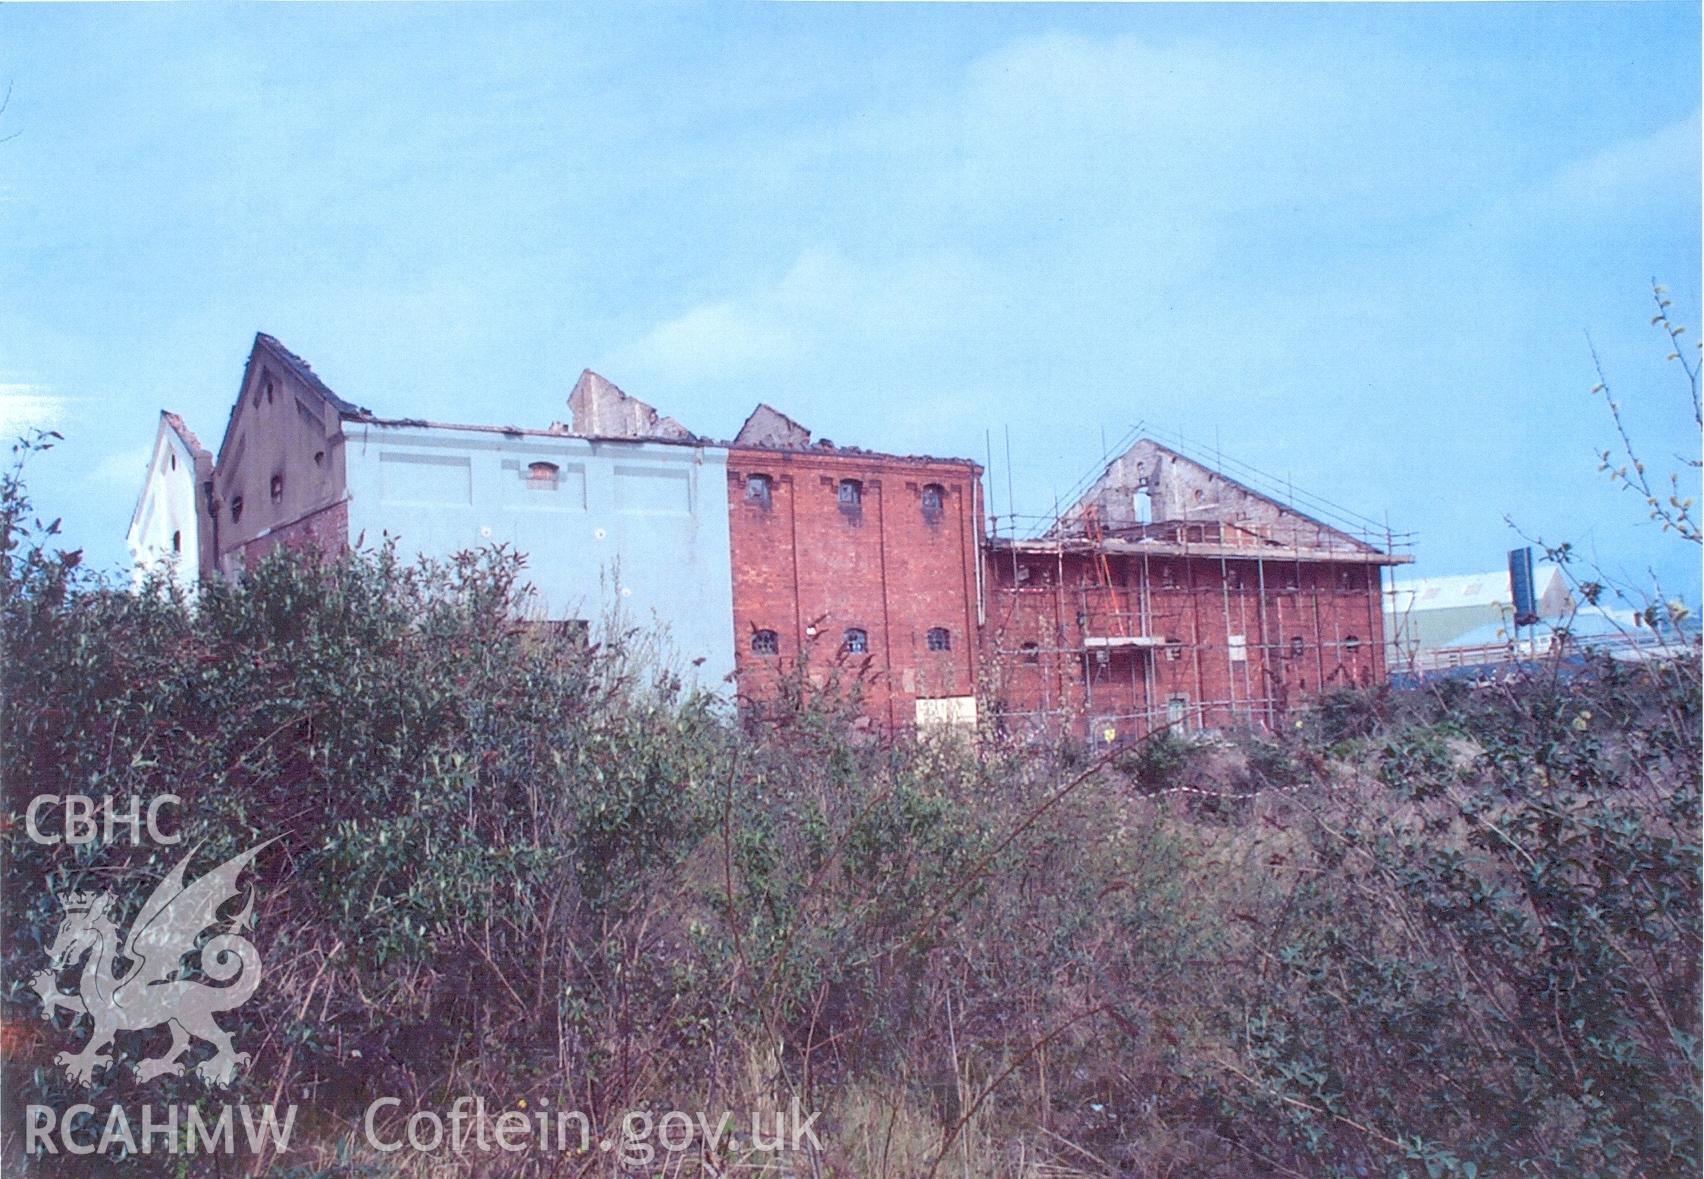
(165, 528)
(633, 527)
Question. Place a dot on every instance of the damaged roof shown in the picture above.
(1151, 489)
(768, 426)
(304, 372)
(178, 427)
(601, 410)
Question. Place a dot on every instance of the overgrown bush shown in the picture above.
(1443, 933)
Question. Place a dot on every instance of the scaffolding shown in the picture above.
(1110, 629)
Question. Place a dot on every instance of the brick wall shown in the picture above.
(809, 566)
(1297, 627)
(325, 531)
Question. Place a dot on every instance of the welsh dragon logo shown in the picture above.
(150, 991)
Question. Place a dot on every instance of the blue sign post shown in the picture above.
(1521, 588)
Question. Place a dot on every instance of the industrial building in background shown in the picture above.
(1437, 623)
(1169, 593)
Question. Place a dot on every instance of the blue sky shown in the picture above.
(1358, 247)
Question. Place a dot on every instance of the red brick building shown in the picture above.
(868, 563)
(1169, 594)
(1173, 594)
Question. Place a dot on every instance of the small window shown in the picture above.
(850, 494)
(758, 490)
(1352, 644)
(1292, 580)
(319, 458)
(236, 509)
(174, 462)
(1031, 653)
(939, 639)
(857, 641)
(277, 488)
(1348, 579)
(1174, 650)
(542, 476)
(269, 392)
(1168, 575)
(177, 542)
(934, 500)
(1234, 578)
(1297, 646)
(765, 642)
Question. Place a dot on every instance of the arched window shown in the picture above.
(236, 509)
(934, 501)
(542, 476)
(765, 642)
(277, 488)
(850, 494)
(939, 639)
(758, 490)
(177, 542)
(857, 641)
(1297, 646)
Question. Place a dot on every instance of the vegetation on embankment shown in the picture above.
(1445, 933)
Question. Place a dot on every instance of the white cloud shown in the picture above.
(825, 304)
(1634, 168)
(24, 407)
(123, 468)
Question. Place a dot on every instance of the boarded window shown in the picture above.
(758, 490)
(765, 642)
(934, 501)
(856, 642)
(1177, 709)
(850, 494)
(939, 639)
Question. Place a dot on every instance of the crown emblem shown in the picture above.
(79, 902)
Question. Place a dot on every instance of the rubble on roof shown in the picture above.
(768, 426)
(601, 410)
